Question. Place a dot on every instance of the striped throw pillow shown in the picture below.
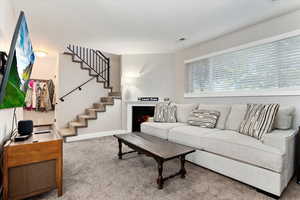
(204, 118)
(165, 112)
(159, 111)
(258, 120)
(170, 113)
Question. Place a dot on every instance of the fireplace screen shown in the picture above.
(141, 114)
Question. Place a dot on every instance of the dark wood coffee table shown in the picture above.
(161, 150)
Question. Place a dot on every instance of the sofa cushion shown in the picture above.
(284, 117)
(230, 144)
(158, 129)
(236, 116)
(222, 108)
(189, 135)
(244, 148)
(204, 118)
(259, 120)
(183, 112)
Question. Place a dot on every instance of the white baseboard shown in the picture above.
(89, 136)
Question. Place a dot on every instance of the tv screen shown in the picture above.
(17, 71)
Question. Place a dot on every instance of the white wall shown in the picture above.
(45, 67)
(115, 71)
(155, 76)
(273, 27)
(8, 22)
(146, 75)
(70, 75)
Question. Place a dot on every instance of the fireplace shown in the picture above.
(141, 114)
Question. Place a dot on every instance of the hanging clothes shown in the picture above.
(51, 89)
(45, 102)
(34, 102)
(29, 97)
(40, 95)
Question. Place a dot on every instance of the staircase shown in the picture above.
(98, 67)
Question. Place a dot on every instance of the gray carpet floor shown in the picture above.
(93, 171)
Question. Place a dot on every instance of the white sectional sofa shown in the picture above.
(267, 164)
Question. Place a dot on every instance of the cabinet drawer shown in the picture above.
(31, 153)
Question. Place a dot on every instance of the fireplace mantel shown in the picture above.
(142, 102)
(130, 104)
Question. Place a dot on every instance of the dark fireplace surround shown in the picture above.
(141, 114)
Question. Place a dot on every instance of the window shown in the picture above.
(269, 66)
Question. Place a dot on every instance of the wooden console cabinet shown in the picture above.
(32, 167)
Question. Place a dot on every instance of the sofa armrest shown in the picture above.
(285, 140)
(280, 139)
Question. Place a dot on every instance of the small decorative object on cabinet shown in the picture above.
(33, 166)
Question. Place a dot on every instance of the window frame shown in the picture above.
(260, 92)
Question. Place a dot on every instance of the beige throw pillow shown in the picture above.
(204, 118)
(222, 108)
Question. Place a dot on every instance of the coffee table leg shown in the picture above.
(182, 170)
(120, 149)
(160, 180)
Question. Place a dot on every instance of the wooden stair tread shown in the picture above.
(77, 124)
(64, 132)
(113, 94)
(108, 103)
(86, 116)
(117, 97)
(97, 109)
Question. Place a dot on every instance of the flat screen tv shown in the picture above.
(17, 70)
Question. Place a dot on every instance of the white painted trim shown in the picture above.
(279, 92)
(142, 102)
(89, 136)
(248, 45)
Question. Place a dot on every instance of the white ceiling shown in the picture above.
(141, 26)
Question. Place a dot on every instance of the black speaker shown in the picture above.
(25, 127)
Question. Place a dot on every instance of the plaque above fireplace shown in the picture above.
(148, 99)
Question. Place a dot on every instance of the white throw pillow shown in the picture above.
(236, 117)
(222, 108)
(183, 112)
(284, 117)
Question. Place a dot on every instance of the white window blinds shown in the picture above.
(268, 66)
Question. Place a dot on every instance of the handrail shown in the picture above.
(77, 88)
(95, 60)
(106, 58)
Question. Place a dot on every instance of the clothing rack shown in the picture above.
(40, 99)
(35, 79)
